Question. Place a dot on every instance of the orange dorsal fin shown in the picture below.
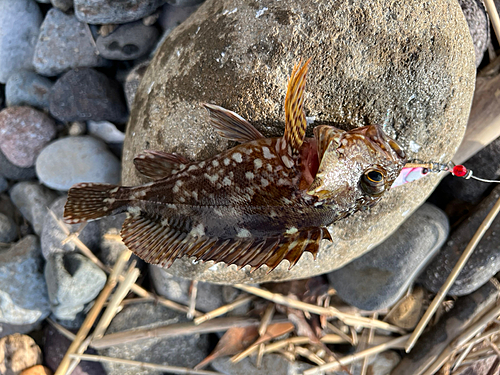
(295, 118)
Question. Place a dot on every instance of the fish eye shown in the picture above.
(373, 182)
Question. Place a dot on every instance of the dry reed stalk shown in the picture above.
(371, 333)
(266, 318)
(453, 276)
(192, 299)
(62, 330)
(145, 365)
(339, 332)
(350, 320)
(306, 353)
(495, 21)
(301, 340)
(223, 309)
(94, 312)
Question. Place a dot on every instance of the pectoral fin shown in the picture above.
(295, 118)
(158, 164)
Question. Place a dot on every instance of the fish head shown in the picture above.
(355, 167)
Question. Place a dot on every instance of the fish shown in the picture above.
(259, 203)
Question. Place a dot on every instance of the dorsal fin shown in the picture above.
(230, 125)
(158, 242)
(295, 118)
(158, 164)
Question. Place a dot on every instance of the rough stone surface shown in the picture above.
(111, 11)
(56, 346)
(432, 342)
(17, 353)
(209, 296)
(27, 88)
(271, 364)
(64, 43)
(64, 5)
(220, 55)
(32, 199)
(85, 94)
(183, 351)
(77, 159)
(379, 278)
(24, 131)
(72, 281)
(128, 42)
(52, 236)
(484, 366)
(23, 300)
(484, 261)
(8, 229)
(479, 26)
(13, 172)
(20, 23)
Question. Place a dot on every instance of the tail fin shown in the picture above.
(90, 201)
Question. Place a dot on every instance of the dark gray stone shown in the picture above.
(9, 329)
(183, 351)
(172, 16)
(111, 11)
(128, 42)
(52, 236)
(8, 229)
(484, 261)
(479, 26)
(64, 43)
(13, 172)
(20, 23)
(4, 184)
(379, 278)
(72, 281)
(23, 300)
(209, 296)
(71, 160)
(32, 199)
(133, 80)
(184, 3)
(85, 94)
(364, 63)
(28, 88)
(271, 364)
(24, 131)
(451, 324)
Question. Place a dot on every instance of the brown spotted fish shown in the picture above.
(263, 201)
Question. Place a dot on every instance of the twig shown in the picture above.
(495, 21)
(453, 276)
(266, 318)
(63, 330)
(178, 329)
(364, 366)
(223, 309)
(306, 353)
(93, 313)
(328, 311)
(145, 365)
(339, 332)
(192, 299)
(356, 357)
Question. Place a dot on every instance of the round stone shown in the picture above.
(71, 160)
(24, 131)
(114, 12)
(28, 88)
(366, 69)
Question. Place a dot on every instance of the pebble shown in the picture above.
(209, 296)
(8, 229)
(55, 348)
(32, 199)
(25, 299)
(106, 131)
(85, 94)
(271, 364)
(37, 370)
(17, 353)
(481, 366)
(20, 24)
(128, 42)
(183, 351)
(479, 26)
(132, 81)
(13, 172)
(24, 131)
(64, 43)
(64, 5)
(71, 160)
(77, 128)
(52, 236)
(72, 281)
(28, 88)
(379, 278)
(4, 184)
(115, 12)
(482, 264)
(433, 341)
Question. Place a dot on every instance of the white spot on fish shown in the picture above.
(243, 233)
(257, 163)
(267, 153)
(226, 181)
(414, 147)
(218, 212)
(134, 211)
(260, 12)
(226, 162)
(114, 190)
(194, 193)
(264, 182)
(282, 182)
(109, 200)
(287, 161)
(182, 199)
(269, 167)
(273, 213)
(164, 223)
(215, 163)
(292, 230)
(198, 231)
(237, 157)
(213, 178)
(249, 175)
(192, 168)
(202, 164)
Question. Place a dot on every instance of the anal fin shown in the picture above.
(158, 164)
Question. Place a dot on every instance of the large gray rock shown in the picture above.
(28, 88)
(19, 24)
(111, 11)
(368, 58)
(23, 300)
